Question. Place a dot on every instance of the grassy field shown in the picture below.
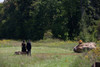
(41, 57)
(45, 53)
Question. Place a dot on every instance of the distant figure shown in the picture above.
(80, 41)
(23, 46)
(29, 48)
(80, 44)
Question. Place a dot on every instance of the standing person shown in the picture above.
(23, 46)
(29, 48)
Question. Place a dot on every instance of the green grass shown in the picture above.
(8, 59)
(64, 61)
(45, 53)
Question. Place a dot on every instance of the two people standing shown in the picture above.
(26, 48)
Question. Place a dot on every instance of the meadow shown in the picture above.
(45, 53)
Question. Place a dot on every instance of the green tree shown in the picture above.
(73, 15)
(17, 13)
(88, 24)
(67, 23)
(96, 6)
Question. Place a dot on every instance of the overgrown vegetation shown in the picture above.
(87, 59)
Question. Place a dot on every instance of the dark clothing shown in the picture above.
(23, 47)
(29, 48)
(29, 52)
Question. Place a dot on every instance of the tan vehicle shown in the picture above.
(84, 46)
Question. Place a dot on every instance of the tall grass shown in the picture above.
(9, 43)
(87, 59)
(81, 61)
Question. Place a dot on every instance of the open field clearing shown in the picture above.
(41, 57)
(48, 53)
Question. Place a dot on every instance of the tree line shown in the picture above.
(67, 19)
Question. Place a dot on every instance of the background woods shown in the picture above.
(67, 19)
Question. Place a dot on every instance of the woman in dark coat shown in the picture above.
(23, 47)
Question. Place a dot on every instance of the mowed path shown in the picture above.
(44, 51)
(50, 54)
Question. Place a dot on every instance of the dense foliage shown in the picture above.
(67, 19)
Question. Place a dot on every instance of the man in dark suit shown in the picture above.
(29, 48)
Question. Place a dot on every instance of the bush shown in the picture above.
(81, 62)
(87, 59)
